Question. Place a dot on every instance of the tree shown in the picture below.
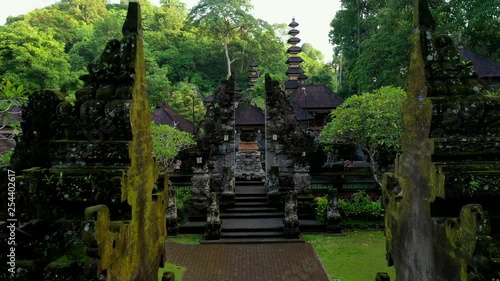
(225, 18)
(372, 120)
(186, 101)
(34, 58)
(168, 142)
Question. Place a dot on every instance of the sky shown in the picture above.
(313, 16)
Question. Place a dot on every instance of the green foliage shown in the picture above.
(33, 58)
(373, 37)
(372, 120)
(360, 205)
(359, 211)
(182, 196)
(167, 142)
(10, 96)
(321, 209)
(186, 98)
(5, 158)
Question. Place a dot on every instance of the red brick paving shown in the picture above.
(258, 262)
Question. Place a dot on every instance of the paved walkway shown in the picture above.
(269, 262)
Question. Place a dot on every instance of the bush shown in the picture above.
(182, 196)
(358, 211)
(321, 209)
(360, 205)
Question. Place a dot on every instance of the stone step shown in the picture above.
(252, 241)
(249, 210)
(252, 215)
(250, 204)
(252, 224)
(252, 234)
(252, 198)
(247, 183)
(250, 194)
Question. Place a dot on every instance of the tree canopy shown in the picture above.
(372, 120)
(373, 37)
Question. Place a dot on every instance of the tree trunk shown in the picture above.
(228, 59)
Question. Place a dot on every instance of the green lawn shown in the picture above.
(186, 238)
(176, 269)
(355, 257)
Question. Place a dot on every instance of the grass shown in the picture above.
(176, 269)
(186, 238)
(355, 257)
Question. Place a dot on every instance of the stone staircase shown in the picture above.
(251, 220)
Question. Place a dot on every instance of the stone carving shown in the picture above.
(333, 217)
(228, 185)
(273, 186)
(287, 143)
(449, 160)
(200, 182)
(249, 165)
(302, 180)
(218, 144)
(172, 219)
(291, 221)
(213, 224)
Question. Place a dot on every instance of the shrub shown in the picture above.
(321, 209)
(358, 211)
(360, 205)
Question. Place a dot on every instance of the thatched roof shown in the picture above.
(249, 115)
(318, 97)
(166, 115)
(488, 70)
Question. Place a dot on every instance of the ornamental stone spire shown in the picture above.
(294, 72)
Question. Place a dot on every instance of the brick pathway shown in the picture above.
(259, 262)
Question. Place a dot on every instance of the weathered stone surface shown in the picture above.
(450, 160)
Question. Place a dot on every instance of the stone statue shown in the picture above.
(291, 221)
(172, 221)
(333, 217)
(213, 224)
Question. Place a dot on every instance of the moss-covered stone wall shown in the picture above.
(439, 199)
